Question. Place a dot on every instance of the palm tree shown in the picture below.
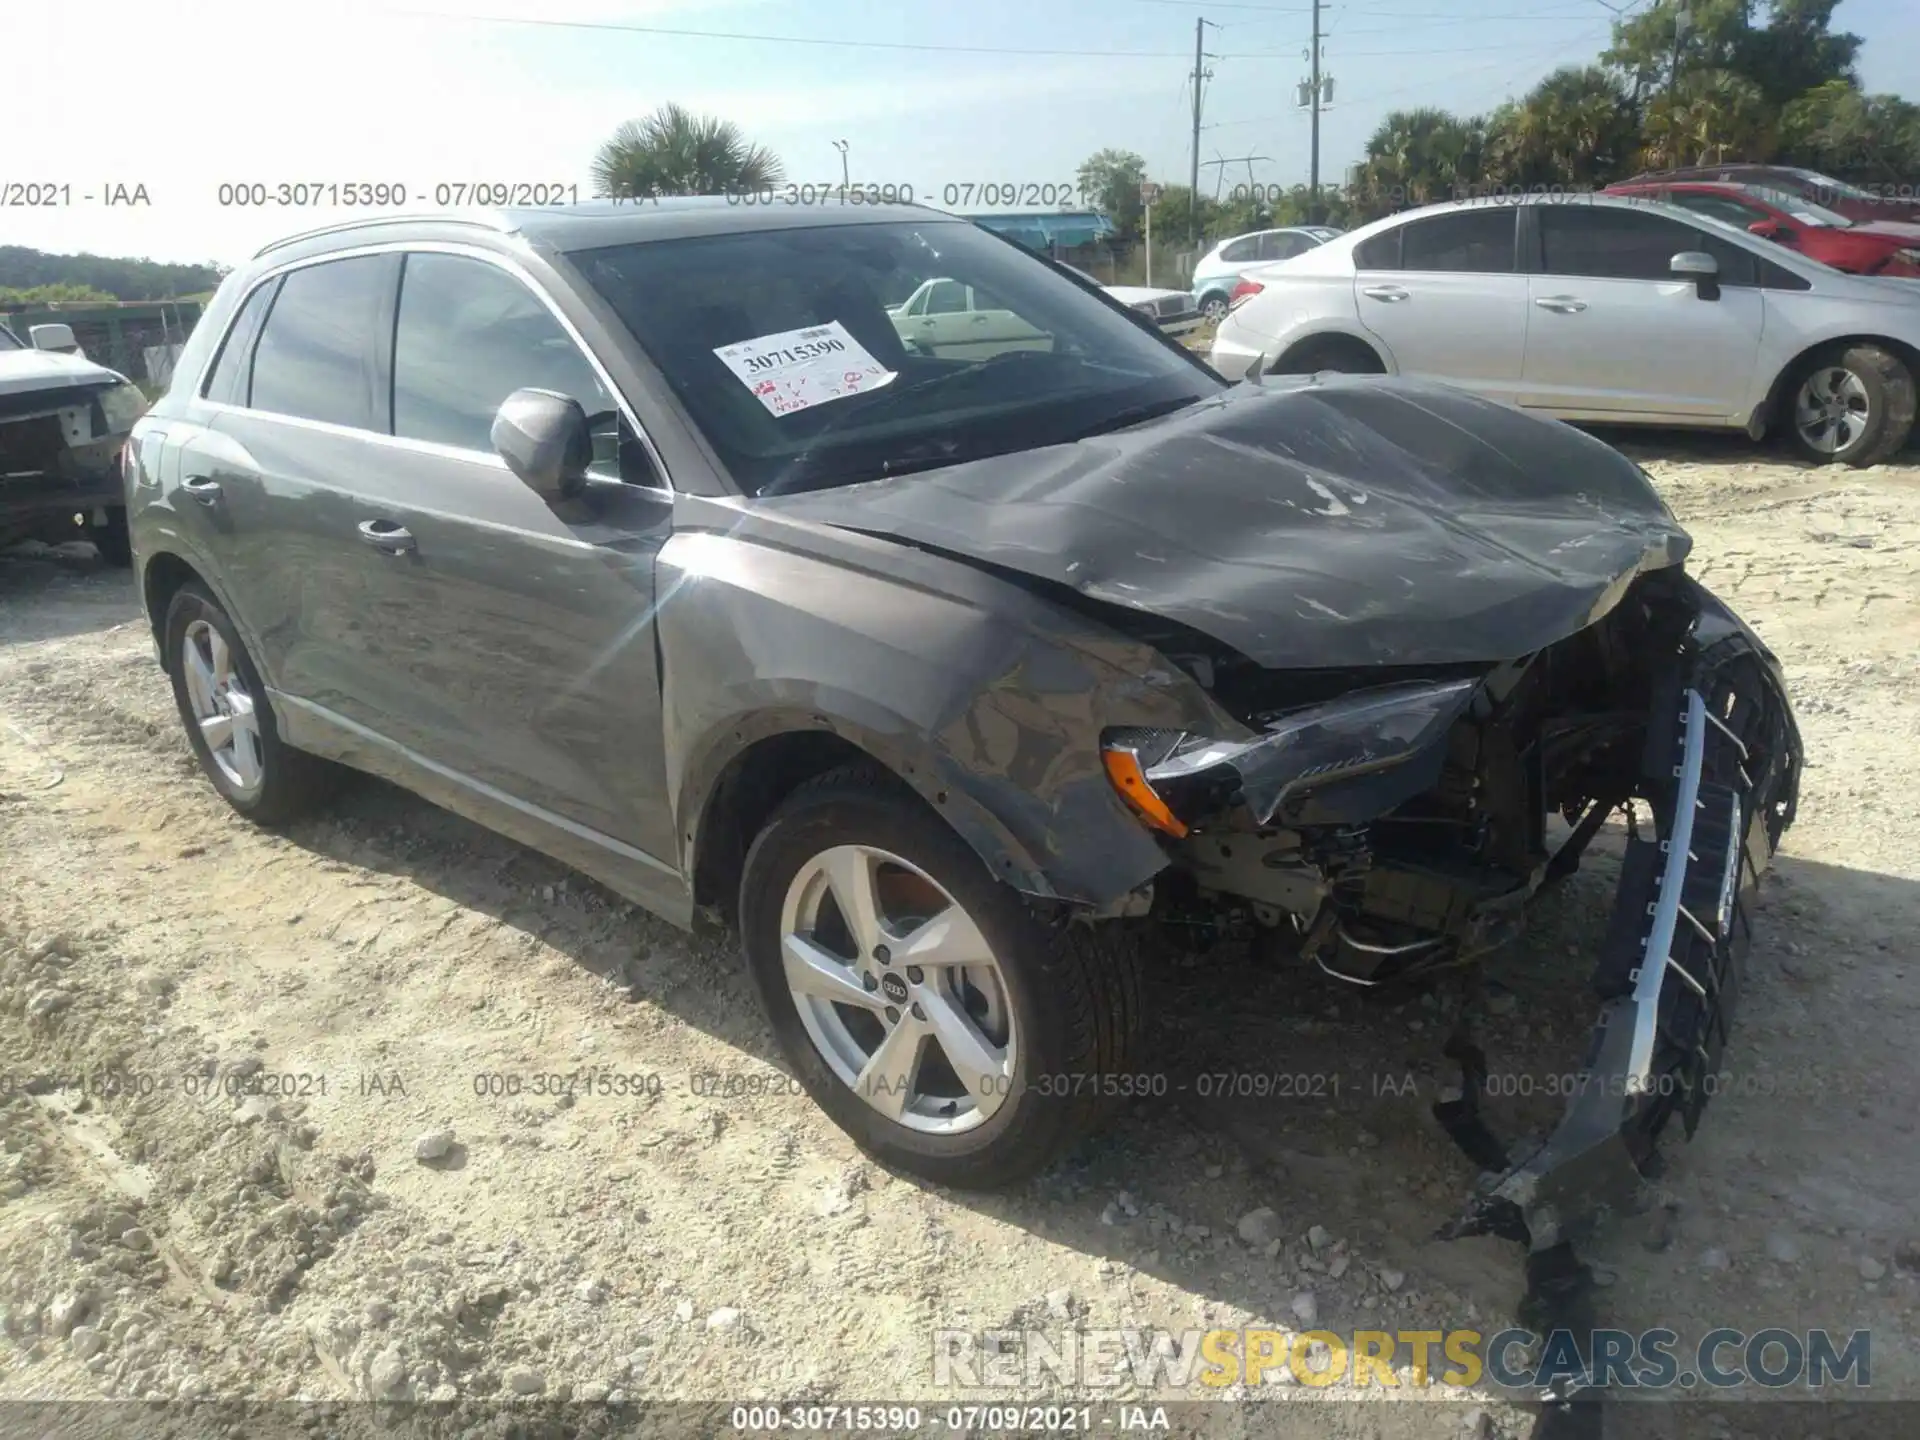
(675, 152)
(1418, 156)
(1575, 128)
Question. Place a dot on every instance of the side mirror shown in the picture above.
(544, 439)
(1765, 229)
(1699, 267)
(58, 338)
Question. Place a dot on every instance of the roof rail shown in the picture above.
(489, 220)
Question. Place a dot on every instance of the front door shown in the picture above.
(1611, 330)
(521, 630)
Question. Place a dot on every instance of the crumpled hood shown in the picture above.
(23, 371)
(1307, 522)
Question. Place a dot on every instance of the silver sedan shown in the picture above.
(1598, 308)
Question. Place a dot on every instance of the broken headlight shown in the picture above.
(1172, 779)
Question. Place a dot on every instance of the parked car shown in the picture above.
(63, 421)
(1856, 202)
(640, 534)
(1171, 311)
(1600, 308)
(1221, 267)
(1865, 247)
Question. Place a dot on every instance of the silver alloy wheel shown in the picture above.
(898, 989)
(222, 707)
(1831, 409)
(1215, 309)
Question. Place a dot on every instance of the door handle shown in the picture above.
(387, 536)
(203, 488)
(1392, 294)
(1561, 304)
(979, 319)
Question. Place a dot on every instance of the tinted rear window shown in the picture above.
(1478, 241)
(312, 359)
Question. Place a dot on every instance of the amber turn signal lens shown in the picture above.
(1123, 769)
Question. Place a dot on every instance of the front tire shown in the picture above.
(1214, 307)
(1849, 405)
(948, 1028)
(229, 722)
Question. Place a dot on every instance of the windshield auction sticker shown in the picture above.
(798, 369)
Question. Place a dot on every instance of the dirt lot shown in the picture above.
(165, 1231)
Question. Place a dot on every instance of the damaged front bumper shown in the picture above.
(1721, 771)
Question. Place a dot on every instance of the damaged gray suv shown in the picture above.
(948, 663)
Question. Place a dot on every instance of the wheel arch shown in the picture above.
(761, 758)
(1327, 338)
(164, 575)
(1767, 415)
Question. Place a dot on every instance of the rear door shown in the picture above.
(1611, 331)
(292, 414)
(939, 321)
(1445, 296)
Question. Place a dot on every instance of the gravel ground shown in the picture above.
(300, 1185)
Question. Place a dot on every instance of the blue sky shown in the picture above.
(181, 95)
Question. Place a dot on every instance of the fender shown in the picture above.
(992, 718)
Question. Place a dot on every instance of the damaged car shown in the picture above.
(947, 680)
(63, 423)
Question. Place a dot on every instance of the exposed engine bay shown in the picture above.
(1389, 828)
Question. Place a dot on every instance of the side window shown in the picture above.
(468, 335)
(1737, 266)
(1243, 249)
(1778, 277)
(1478, 241)
(1382, 252)
(227, 382)
(1609, 243)
(311, 361)
(948, 297)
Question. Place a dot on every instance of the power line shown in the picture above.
(682, 33)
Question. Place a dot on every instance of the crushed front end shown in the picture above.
(1388, 825)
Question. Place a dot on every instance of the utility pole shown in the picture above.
(1682, 22)
(1200, 75)
(1313, 171)
(841, 146)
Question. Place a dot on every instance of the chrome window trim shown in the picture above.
(507, 263)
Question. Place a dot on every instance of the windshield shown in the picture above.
(1801, 208)
(8, 340)
(830, 355)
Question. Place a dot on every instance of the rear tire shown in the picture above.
(1059, 1014)
(1849, 405)
(229, 722)
(110, 538)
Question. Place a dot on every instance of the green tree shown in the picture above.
(1838, 129)
(1110, 180)
(51, 294)
(675, 152)
(1576, 128)
(1417, 157)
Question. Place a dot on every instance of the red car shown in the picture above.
(1856, 202)
(1862, 247)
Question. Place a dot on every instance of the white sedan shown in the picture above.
(1602, 309)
